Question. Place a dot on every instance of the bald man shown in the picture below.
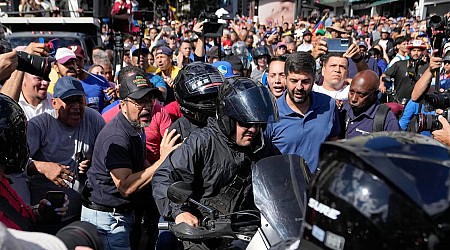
(363, 114)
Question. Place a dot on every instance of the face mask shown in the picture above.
(227, 52)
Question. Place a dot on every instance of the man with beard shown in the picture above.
(65, 65)
(61, 147)
(119, 168)
(407, 72)
(276, 78)
(307, 42)
(307, 118)
(363, 108)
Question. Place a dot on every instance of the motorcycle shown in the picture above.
(280, 192)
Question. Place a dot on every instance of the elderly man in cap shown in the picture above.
(166, 70)
(61, 147)
(119, 168)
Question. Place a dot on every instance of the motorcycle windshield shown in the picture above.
(280, 190)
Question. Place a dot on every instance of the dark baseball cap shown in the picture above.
(164, 51)
(67, 86)
(137, 86)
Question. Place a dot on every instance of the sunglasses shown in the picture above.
(250, 125)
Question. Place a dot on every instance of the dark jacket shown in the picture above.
(213, 165)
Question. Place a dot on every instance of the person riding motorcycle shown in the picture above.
(388, 190)
(216, 160)
(196, 87)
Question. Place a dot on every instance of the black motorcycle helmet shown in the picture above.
(196, 87)
(388, 190)
(13, 136)
(260, 51)
(244, 100)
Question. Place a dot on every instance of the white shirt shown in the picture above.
(305, 47)
(341, 94)
(44, 106)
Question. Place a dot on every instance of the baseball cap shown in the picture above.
(79, 52)
(67, 86)
(134, 50)
(320, 32)
(446, 58)
(224, 68)
(281, 44)
(362, 43)
(64, 54)
(164, 50)
(307, 33)
(137, 86)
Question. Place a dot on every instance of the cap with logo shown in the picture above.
(224, 68)
(64, 54)
(79, 52)
(163, 50)
(137, 86)
(68, 86)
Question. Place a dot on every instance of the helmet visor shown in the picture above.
(255, 105)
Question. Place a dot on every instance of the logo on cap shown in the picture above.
(140, 81)
(222, 69)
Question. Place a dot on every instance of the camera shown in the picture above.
(211, 27)
(437, 100)
(438, 31)
(33, 64)
(429, 122)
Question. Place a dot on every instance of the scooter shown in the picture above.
(280, 192)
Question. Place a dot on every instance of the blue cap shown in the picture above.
(134, 50)
(67, 86)
(224, 68)
(164, 51)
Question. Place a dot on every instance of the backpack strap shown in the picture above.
(380, 118)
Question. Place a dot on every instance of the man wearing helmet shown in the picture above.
(213, 158)
(196, 89)
(407, 72)
(261, 57)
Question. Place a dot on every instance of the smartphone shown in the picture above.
(338, 44)
(56, 198)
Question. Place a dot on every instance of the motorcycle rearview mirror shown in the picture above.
(179, 192)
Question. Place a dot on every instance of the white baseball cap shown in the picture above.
(64, 54)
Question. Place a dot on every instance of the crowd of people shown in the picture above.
(184, 106)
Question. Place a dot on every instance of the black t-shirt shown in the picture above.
(118, 145)
(402, 81)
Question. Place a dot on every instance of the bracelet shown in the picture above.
(359, 59)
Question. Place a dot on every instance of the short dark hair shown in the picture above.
(300, 62)
(400, 40)
(186, 41)
(125, 72)
(281, 58)
(327, 56)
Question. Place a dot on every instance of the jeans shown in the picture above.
(113, 228)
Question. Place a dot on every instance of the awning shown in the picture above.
(323, 6)
(381, 2)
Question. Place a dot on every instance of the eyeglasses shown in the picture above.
(76, 99)
(250, 125)
(141, 103)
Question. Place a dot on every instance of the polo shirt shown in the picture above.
(153, 133)
(44, 106)
(363, 123)
(303, 135)
(118, 145)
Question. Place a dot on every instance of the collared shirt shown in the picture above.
(303, 134)
(363, 123)
(44, 106)
(173, 74)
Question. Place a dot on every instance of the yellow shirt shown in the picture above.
(54, 76)
(174, 73)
